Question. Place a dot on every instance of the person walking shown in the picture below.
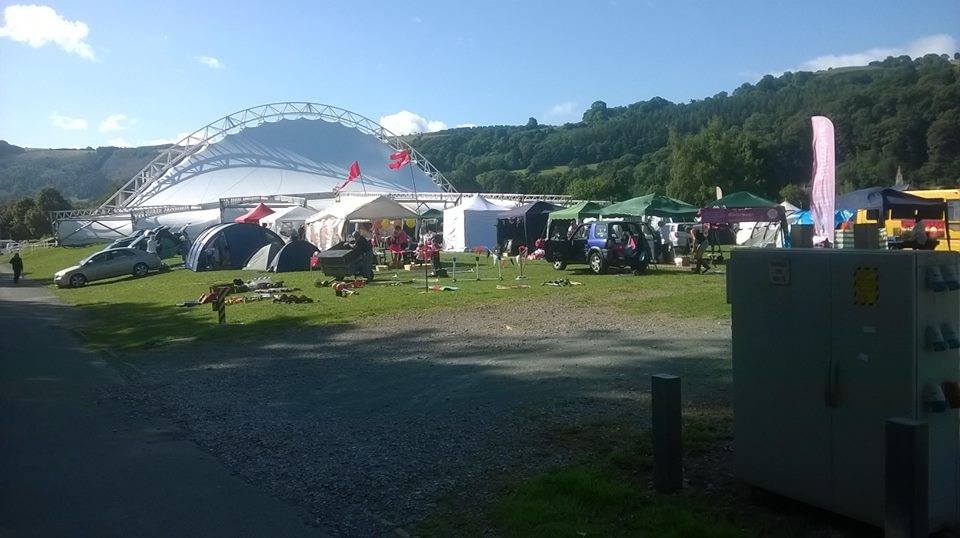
(699, 238)
(17, 263)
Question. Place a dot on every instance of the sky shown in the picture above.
(93, 73)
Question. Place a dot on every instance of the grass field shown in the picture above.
(128, 313)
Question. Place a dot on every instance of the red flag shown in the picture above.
(354, 171)
(399, 163)
(400, 155)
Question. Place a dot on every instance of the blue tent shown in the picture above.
(294, 256)
(228, 246)
(901, 204)
(839, 217)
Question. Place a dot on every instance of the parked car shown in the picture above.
(107, 264)
(600, 245)
(679, 233)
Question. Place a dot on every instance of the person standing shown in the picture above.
(664, 230)
(151, 243)
(17, 263)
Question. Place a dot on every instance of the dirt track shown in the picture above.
(363, 427)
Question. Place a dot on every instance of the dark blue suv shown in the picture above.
(602, 244)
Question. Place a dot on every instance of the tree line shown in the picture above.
(899, 113)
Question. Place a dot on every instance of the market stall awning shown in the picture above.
(902, 204)
(578, 211)
(654, 205)
(254, 215)
(742, 207)
(741, 199)
(532, 208)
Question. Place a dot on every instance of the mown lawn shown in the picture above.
(127, 312)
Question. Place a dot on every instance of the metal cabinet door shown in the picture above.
(874, 371)
(781, 350)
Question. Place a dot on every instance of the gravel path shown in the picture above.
(365, 426)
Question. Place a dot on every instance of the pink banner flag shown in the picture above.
(823, 190)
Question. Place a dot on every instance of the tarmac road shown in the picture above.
(76, 462)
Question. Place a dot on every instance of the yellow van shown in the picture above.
(952, 197)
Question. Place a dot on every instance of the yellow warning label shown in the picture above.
(866, 286)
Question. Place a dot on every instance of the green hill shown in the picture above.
(79, 174)
(896, 113)
(901, 112)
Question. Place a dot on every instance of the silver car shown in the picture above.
(106, 264)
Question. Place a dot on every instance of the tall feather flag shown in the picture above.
(399, 159)
(823, 188)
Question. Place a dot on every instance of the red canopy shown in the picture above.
(254, 215)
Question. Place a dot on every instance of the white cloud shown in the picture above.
(406, 122)
(115, 122)
(209, 61)
(67, 123)
(166, 141)
(935, 44)
(466, 125)
(417, 20)
(562, 109)
(39, 25)
(119, 142)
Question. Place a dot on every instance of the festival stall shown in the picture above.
(254, 215)
(288, 220)
(329, 227)
(523, 225)
(558, 221)
(471, 225)
(651, 205)
(763, 221)
(896, 213)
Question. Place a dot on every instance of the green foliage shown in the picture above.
(28, 218)
(80, 174)
(899, 112)
(796, 195)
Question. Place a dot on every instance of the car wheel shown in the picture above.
(77, 280)
(140, 269)
(559, 265)
(597, 263)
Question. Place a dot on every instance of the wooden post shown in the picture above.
(667, 433)
(906, 468)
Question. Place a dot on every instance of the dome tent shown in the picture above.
(228, 246)
(472, 224)
(260, 260)
(294, 256)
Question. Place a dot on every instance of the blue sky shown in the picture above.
(84, 73)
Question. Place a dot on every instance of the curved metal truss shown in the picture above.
(258, 115)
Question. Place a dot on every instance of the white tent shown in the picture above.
(328, 227)
(260, 261)
(288, 219)
(471, 224)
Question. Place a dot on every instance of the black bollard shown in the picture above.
(667, 434)
(906, 467)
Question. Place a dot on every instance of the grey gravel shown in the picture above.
(364, 426)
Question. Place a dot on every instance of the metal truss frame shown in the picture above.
(258, 115)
